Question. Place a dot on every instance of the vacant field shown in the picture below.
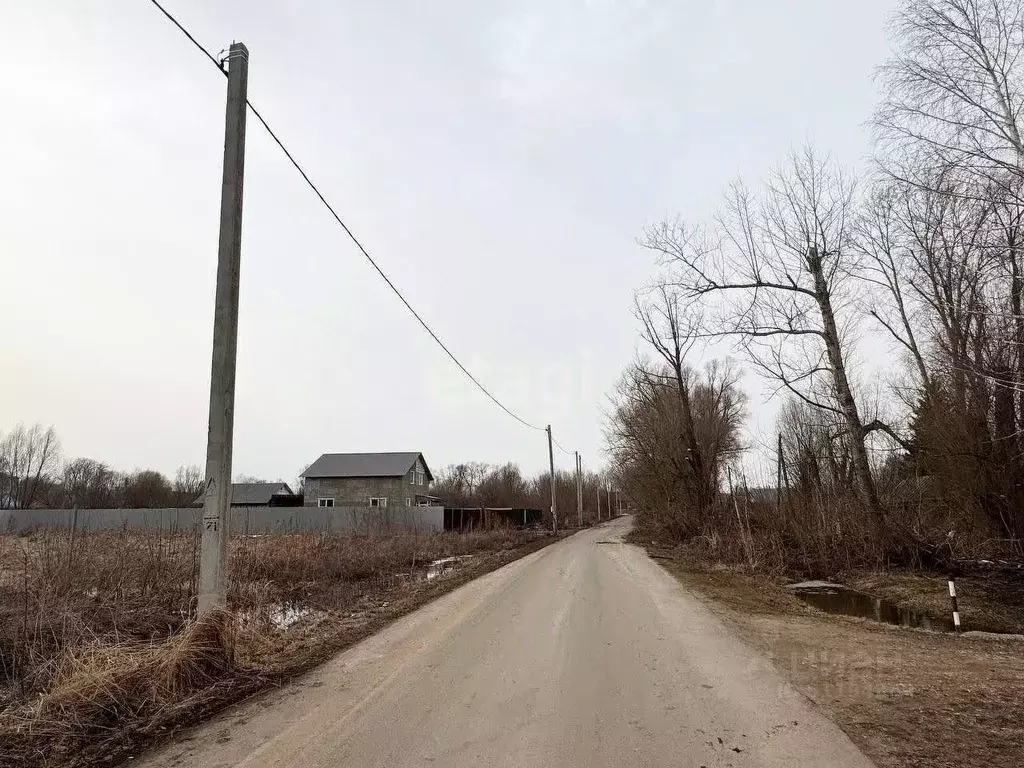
(99, 655)
(908, 698)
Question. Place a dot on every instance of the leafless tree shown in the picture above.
(1008, 220)
(643, 441)
(87, 484)
(643, 436)
(883, 241)
(720, 406)
(188, 485)
(949, 258)
(300, 480)
(565, 491)
(949, 131)
(28, 460)
(457, 484)
(816, 446)
(955, 83)
(775, 275)
(953, 244)
(672, 330)
(145, 488)
(502, 486)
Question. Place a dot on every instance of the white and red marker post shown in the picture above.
(956, 610)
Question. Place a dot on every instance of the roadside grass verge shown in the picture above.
(100, 657)
(908, 698)
(989, 597)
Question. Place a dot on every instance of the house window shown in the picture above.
(408, 501)
(419, 477)
(325, 502)
(379, 501)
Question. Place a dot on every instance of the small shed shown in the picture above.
(260, 495)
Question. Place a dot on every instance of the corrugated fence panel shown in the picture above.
(249, 521)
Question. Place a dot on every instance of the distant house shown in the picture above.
(368, 480)
(260, 495)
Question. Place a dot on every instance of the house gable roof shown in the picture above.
(365, 465)
(257, 494)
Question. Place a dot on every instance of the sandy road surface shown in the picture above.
(585, 653)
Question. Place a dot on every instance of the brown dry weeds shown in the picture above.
(99, 658)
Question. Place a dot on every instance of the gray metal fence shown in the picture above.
(249, 521)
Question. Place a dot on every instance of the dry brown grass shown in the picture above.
(98, 654)
(98, 685)
(803, 538)
(827, 536)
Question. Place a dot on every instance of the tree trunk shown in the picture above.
(1017, 307)
(844, 394)
(696, 460)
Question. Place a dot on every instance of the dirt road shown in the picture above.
(585, 653)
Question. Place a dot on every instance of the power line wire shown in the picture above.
(348, 231)
(188, 34)
(560, 447)
(386, 279)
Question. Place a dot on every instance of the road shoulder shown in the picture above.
(905, 697)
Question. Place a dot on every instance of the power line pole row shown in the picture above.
(579, 485)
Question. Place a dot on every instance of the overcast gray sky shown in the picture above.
(497, 158)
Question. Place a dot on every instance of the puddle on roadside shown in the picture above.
(280, 615)
(285, 615)
(833, 598)
(444, 567)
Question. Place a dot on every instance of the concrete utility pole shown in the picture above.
(579, 490)
(551, 460)
(213, 562)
